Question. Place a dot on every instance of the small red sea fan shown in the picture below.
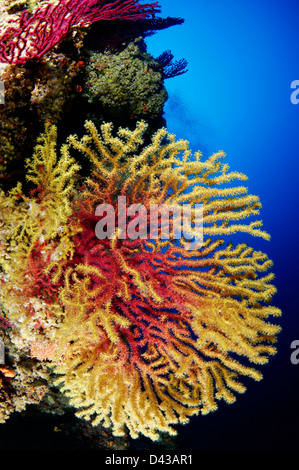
(32, 35)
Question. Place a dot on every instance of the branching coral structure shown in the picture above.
(142, 333)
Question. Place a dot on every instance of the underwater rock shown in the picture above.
(68, 87)
(125, 86)
(34, 93)
(27, 382)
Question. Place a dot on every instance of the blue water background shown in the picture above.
(243, 57)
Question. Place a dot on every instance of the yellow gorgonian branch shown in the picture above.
(33, 233)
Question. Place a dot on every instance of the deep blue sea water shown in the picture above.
(243, 57)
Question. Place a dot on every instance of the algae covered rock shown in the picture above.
(125, 86)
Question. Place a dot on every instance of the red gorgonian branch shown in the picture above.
(31, 35)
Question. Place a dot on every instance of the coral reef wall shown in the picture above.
(133, 331)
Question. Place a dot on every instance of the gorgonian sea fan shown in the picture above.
(31, 35)
(143, 333)
(152, 332)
